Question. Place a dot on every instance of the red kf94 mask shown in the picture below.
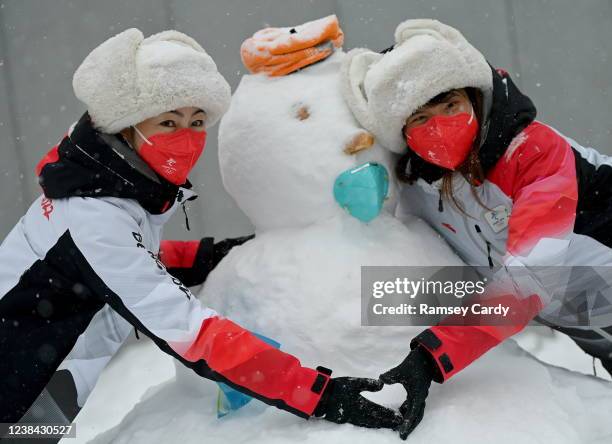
(444, 140)
(173, 155)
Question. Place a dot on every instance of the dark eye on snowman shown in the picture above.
(301, 111)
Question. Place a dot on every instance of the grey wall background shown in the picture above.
(557, 50)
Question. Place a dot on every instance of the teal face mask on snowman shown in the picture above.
(362, 190)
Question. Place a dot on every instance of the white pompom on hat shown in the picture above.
(428, 58)
(128, 79)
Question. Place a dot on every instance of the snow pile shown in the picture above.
(506, 397)
(298, 282)
(138, 366)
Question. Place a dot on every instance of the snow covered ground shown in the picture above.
(458, 409)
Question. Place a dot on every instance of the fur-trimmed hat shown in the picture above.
(428, 58)
(128, 79)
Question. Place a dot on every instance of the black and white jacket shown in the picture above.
(84, 259)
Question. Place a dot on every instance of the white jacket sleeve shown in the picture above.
(130, 277)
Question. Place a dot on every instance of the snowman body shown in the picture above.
(282, 145)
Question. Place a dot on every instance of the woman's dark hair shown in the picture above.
(470, 168)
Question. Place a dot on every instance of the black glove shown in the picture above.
(223, 247)
(415, 373)
(208, 256)
(341, 402)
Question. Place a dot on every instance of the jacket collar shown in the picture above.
(511, 111)
(92, 164)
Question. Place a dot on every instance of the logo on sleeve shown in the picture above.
(449, 226)
(47, 207)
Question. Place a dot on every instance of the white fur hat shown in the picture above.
(128, 79)
(428, 58)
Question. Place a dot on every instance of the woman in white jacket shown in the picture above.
(89, 247)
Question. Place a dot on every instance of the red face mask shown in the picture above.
(444, 140)
(173, 155)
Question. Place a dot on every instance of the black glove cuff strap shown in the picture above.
(322, 405)
(428, 339)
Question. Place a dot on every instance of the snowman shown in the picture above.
(320, 193)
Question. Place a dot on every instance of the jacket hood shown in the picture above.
(87, 163)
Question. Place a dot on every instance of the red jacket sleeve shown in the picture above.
(538, 172)
(189, 261)
(178, 254)
(242, 360)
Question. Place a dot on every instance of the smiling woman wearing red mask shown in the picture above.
(512, 195)
(86, 263)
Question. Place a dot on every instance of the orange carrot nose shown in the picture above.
(280, 51)
(362, 141)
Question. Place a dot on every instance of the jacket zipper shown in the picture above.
(489, 258)
(186, 217)
(489, 246)
(180, 199)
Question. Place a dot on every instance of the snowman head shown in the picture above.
(284, 142)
